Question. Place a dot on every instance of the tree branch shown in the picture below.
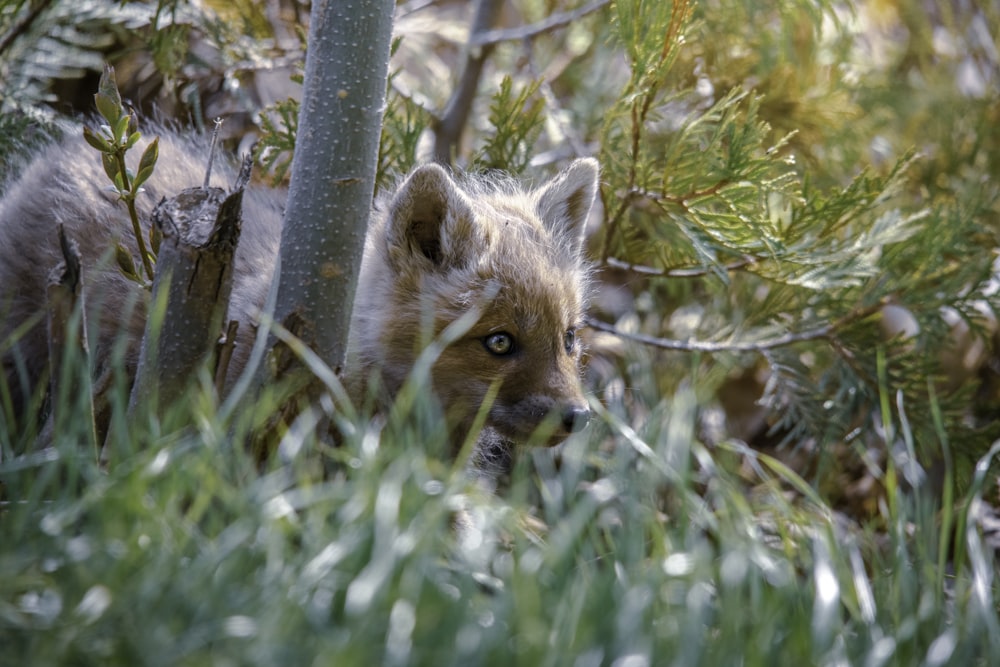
(826, 331)
(685, 272)
(448, 129)
(494, 37)
(639, 110)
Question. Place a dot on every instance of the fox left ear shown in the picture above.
(564, 203)
(431, 222)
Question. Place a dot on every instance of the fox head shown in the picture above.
(505, 264)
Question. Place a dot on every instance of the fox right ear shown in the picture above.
(564, 203)
(430, 219)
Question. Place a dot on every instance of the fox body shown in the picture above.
(505, 260)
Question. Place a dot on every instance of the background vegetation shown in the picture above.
(792, 355)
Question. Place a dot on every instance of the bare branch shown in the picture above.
(493, 37)
(685, 272)
(569, 133)
(448, 129)
(211, 152)
(826, 331)
(710, 346)
(413, 7)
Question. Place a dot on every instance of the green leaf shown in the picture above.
(110, 165)
(155, 239)
(121, 127)
(97, 141)
(108, 100)
(125, 262)
(146, 164)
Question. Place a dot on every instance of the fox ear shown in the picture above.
(430, 219)
(564, 202)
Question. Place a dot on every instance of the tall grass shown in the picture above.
(632, 547)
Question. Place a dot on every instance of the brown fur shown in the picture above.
(441, 247)
(437, 248)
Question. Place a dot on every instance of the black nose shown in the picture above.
(575, 418)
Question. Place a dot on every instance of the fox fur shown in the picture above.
(438, 247)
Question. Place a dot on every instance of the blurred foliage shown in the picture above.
(786, 189)
(186, 553)
(777, 179)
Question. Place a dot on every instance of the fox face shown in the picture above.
(504, 265)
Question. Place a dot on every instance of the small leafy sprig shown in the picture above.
(517, 117)
(279, 127)
(114, 140)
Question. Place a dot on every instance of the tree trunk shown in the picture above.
(333, 171)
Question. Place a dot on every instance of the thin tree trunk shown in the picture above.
(333, 171)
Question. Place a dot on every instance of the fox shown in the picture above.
(440, 247)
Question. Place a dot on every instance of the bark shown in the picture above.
(69, 353)
(333, 171)
(200, 227)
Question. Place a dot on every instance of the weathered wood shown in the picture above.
(194, 278)
(69, 353)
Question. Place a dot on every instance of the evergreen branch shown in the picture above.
(678, 200)
(611, 226)
(827, 331)
(23, 25)
(516, 118)
(635, 193)
(649, 82)
(682, 200)
(552, 22)
(851, 360)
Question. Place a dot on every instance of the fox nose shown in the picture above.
(575, 417)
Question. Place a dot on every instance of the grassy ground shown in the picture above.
(638, 548)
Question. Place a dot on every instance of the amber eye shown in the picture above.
(500, 343)
(569, 341)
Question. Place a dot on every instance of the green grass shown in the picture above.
(642, 547)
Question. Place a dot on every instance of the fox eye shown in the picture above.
(569, 340)
(500, 343)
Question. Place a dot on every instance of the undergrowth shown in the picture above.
(624, 548)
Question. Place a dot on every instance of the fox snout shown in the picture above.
(575, 417)
(526, 419)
